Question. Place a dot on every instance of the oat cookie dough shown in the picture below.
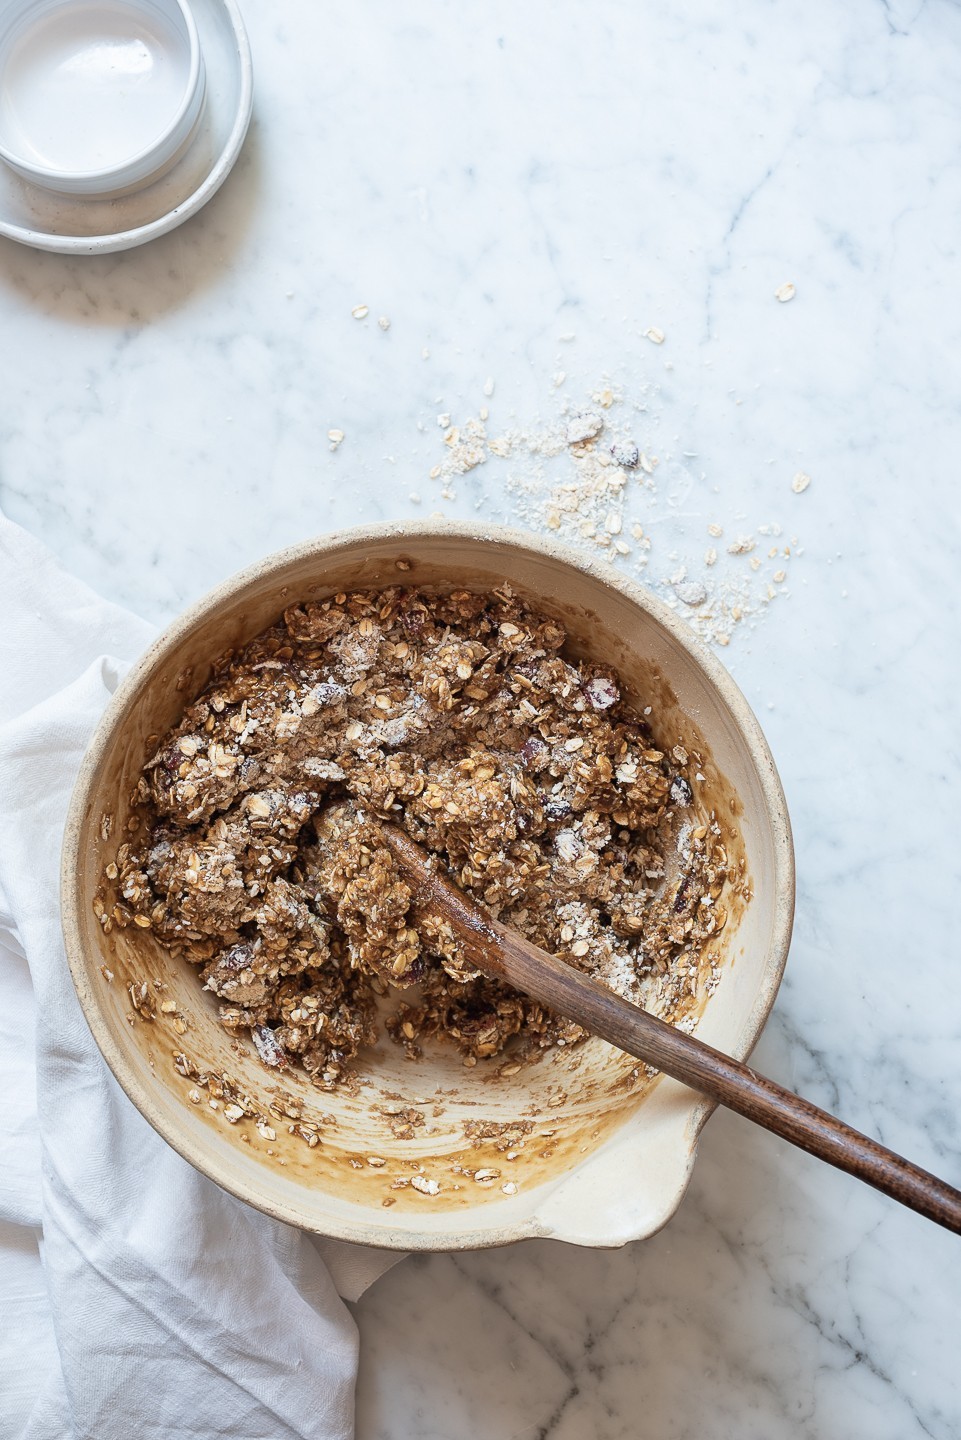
(461, 718)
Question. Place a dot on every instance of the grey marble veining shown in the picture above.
(495, 179)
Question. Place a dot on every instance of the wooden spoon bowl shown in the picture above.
(605, 1154)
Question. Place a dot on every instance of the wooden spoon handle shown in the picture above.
(502, 954)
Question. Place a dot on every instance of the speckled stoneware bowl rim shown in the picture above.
(324, 547)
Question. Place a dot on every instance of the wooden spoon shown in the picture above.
(502, 954)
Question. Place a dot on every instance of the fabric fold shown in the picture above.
(175, 1308)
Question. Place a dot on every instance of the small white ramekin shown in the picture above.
(98, 98)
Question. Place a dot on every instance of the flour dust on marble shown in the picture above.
(593, 473)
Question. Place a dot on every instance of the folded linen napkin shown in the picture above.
(136, 1295)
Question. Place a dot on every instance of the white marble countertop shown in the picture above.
(525, 191)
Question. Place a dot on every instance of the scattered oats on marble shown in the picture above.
(336, 438)
(360, 312)
(582, 427)
(584, 477)
(785, 292)
(692, 592)
(655, 335)
(800, 482)
(625, 453)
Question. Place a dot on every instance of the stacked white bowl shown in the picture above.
(98, 98)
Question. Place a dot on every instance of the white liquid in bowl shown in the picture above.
(91, 84)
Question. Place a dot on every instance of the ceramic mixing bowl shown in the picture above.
(607, 1150)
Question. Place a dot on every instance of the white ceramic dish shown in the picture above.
(610, 1154)
(71, 225)
(98, 98)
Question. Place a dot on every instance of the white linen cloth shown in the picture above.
(136, 1297)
